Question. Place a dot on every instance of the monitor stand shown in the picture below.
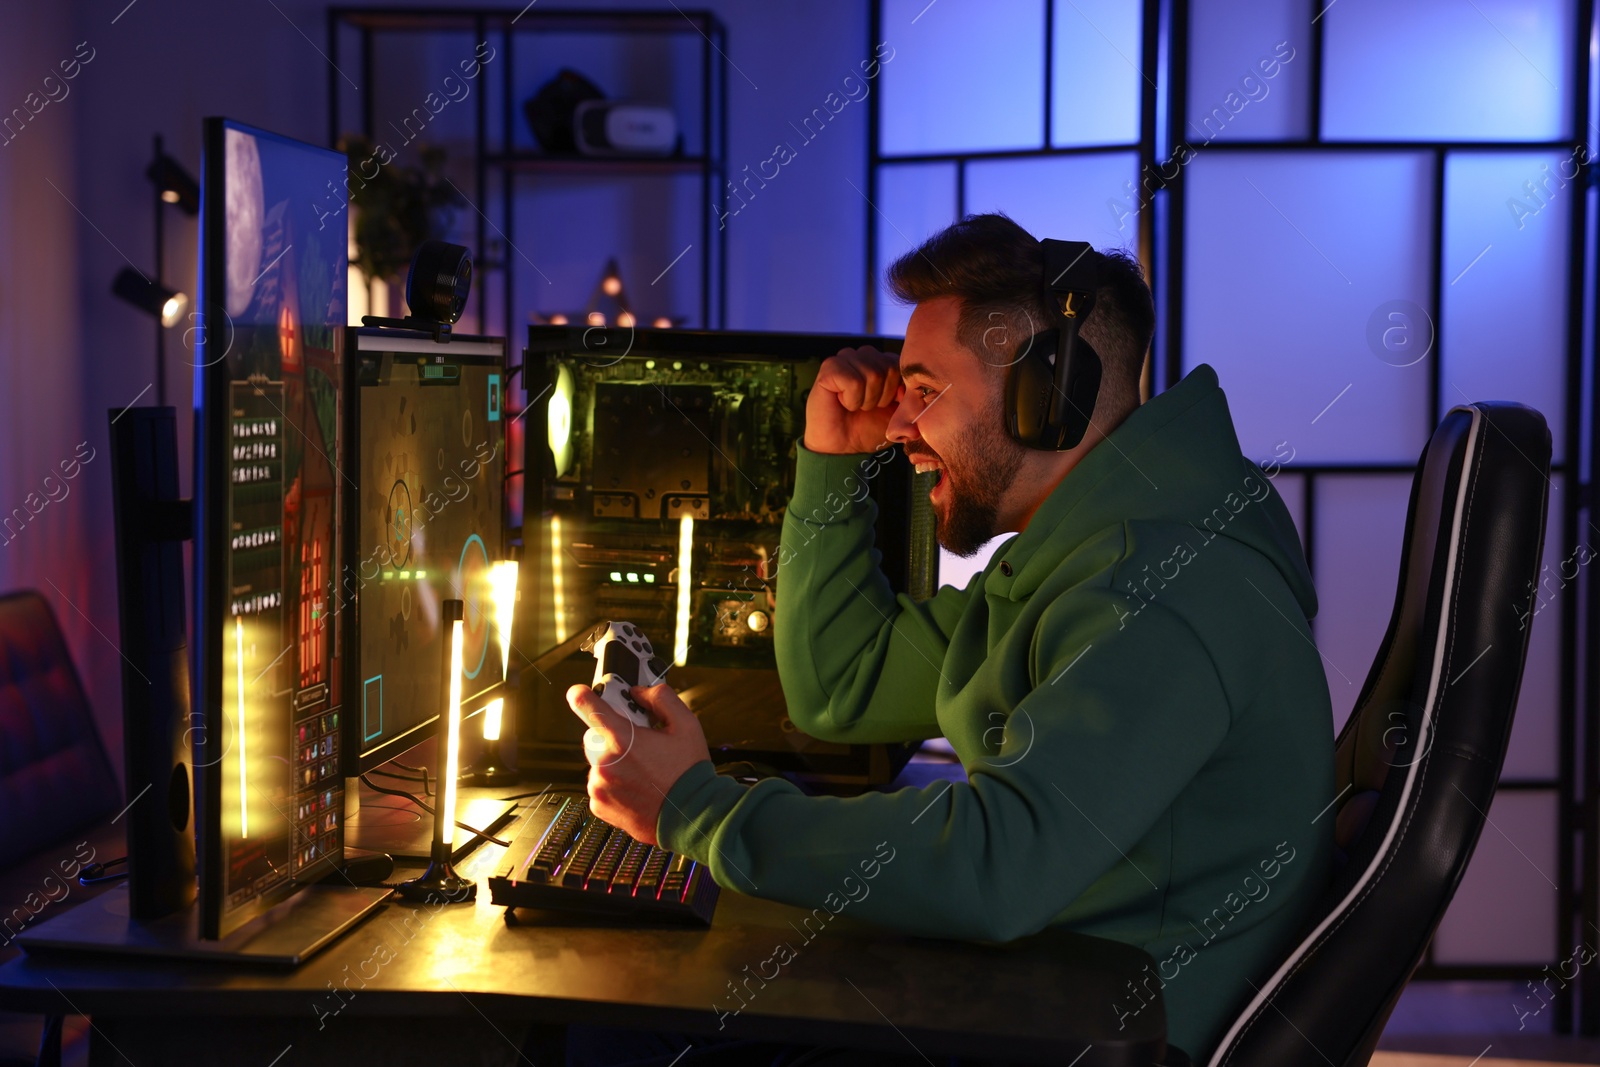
(394, 825)
(286, 935)
(383, 822)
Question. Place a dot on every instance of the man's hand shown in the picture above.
(631, 769)
(850, 406)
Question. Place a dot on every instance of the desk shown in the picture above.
(460, 977)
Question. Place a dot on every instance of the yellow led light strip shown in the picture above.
(452, 748)
(558, 586)
(491, 718)
(238, 665)
(503, 591)
(680, 642)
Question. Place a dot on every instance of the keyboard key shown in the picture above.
(628, 870)
(575, 871)
(557, 840)
(600, 874)
(649, 884)
(677, 878)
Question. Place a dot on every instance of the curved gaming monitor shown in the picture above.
(269, 479)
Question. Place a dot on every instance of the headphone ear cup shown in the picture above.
(1082, 390)
(1029, 381)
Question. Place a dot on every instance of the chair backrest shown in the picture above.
(1418, 760)
(55, 778)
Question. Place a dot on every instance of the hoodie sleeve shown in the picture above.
(853, 657)
(1087, 763)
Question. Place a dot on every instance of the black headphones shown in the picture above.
(1052, 384)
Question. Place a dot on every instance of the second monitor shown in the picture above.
(427, 523)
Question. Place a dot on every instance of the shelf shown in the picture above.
(524, 18)
(538, 161)
(503, 167)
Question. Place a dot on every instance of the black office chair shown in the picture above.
(55, 783)
(1419, 758)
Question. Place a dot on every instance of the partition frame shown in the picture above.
(1161, 241)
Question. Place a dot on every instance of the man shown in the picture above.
(1131, 684)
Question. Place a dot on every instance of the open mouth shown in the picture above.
(924, 466)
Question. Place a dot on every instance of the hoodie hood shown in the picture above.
(1175, 460)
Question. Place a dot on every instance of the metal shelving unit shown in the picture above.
(502, 171)
(493, 155)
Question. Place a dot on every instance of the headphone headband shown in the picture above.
(1070, 267)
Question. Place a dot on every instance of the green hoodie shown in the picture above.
(1131, 686)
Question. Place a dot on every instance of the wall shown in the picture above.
(42, 370)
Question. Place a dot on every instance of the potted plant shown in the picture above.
(396, 207)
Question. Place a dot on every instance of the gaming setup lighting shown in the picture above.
(451, 768)
(174, 184)
(503, 596)
(503, 586)
(558, 583)
(440, 883)
(559, 430)
(493, 712)
(239, 730)
(608, 293)
(147, 294)
(680, 641)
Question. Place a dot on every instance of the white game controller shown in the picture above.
(623, 659)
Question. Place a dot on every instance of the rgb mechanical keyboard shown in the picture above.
(567, 859)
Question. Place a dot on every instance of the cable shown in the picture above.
(426, 791)
(397, 774)
(523, 796)
(414, 770)
(375, 787)
(473, 830)
(95, 873)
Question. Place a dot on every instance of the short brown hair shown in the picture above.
(995, 268)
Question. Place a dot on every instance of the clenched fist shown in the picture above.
(850, 406)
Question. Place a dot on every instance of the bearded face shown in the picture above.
(974, 469)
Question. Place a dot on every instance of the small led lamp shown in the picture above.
(492, 768)
(174, 184)
(440, 883)
(164, 303)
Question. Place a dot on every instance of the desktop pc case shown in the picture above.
(648, 450)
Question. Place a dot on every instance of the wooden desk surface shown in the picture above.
(1044, 998)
